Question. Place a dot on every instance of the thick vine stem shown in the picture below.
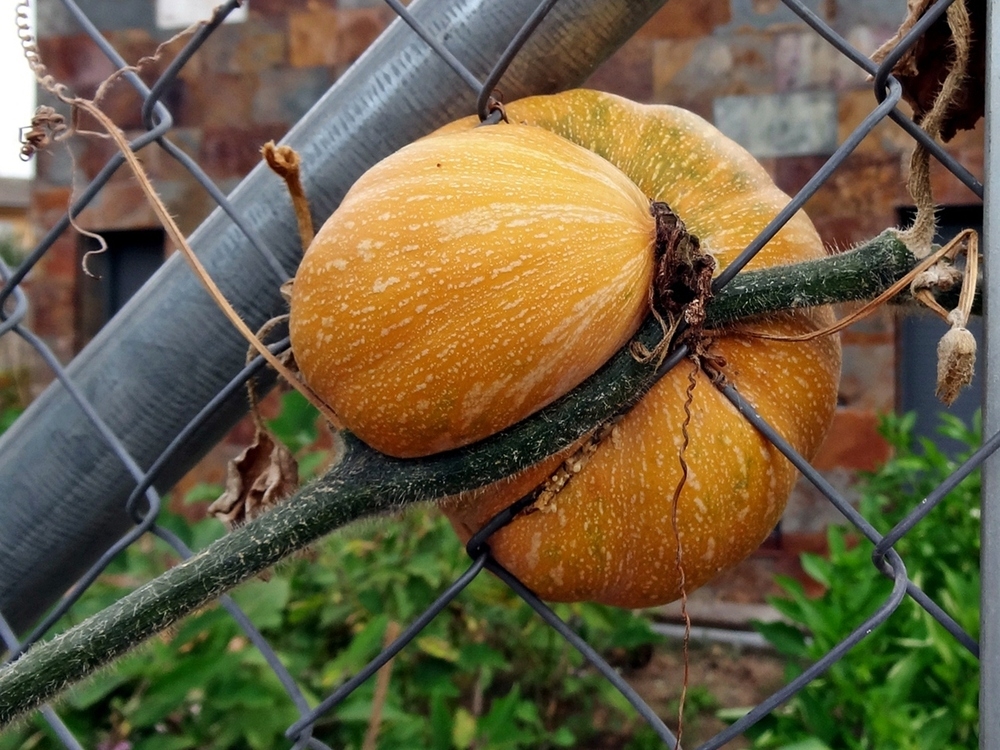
(858, 274)
(366, 483)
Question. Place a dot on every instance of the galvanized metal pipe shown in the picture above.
(989, 638)
(62, 491)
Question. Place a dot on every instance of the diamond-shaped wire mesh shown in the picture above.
(403, 109)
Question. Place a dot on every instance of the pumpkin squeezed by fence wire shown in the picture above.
(601, 529)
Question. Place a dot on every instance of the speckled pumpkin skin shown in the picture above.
(465, 282)
(607, 536)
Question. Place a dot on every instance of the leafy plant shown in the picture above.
(486, 673)
(11, 251)
(13, 379)
(13, 395)
(8, 413)
(910, 685)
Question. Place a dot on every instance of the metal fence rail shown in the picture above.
(45, 553)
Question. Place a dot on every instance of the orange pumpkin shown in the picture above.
(465, 282)
(607, 533)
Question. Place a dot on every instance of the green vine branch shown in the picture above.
(366, 483)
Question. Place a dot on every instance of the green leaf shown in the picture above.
(499, 727)
(295, 426)
(168, 742)
(357, 707)
(437, 647)
(311, 463)
(562, 737)
(205, 532)
(372, 600)
(173, 691)
(427, 566)
(630, 632)
(936, 728)
(836, 542)
(19, 739)
(899, 679)
(910, 685)
(436, 677)
(732, 715)
(264, 602)
(440, 719)
(362, 649)
(788, 608)
(262, 732)
(475, 655)
(97, 688)
(787, 639)
(816, 708)
(810, 744)
(816, 568)
(791, 587)
(463, 729)
(8, 415)
(194, 630)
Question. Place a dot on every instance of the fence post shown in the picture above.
(989, 639)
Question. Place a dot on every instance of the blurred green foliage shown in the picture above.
(11, 252)
(909, 685)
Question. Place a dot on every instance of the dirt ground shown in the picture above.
(721, 676)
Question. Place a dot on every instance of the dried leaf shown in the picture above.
(263, 475)
(923, 68)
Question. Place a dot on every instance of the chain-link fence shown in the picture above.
(97, 442)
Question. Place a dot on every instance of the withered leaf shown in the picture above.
(263, 475)
(923, 68)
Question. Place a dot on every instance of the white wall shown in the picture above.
(17, 92)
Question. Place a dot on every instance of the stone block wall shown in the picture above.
(750, 66)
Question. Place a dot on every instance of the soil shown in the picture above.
(720, 677)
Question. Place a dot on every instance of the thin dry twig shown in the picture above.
(381, 691)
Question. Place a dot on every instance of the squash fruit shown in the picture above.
(465, 282)
(607, 534)
(419, 366)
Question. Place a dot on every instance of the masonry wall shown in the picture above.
(748, 65)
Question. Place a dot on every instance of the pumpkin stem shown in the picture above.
(682, 284)
(284, 161)
(682, 281)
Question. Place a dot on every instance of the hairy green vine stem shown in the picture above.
(366, 483)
